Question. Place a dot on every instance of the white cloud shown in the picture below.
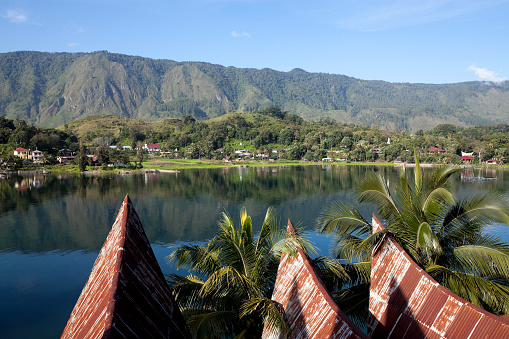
(72, 44)
(16, 16)
(485, 75)
(240, 35)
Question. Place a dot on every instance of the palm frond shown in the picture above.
(272, 315)
(436, 201)
(267, 230)
(215, 324)
(374, 189)
(427, 242)
(246, 226)
(231, 252)
(441, 175)
(417, 175)
(354, 302)
(290, 243)
(199, 258)
(482, 261)
(355, 249)
(341, 219)
(468, 217)
(227, 281)
(484, 293)
(330, 271)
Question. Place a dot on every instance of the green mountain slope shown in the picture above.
(50, 89)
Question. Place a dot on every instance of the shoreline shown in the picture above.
(176, 166)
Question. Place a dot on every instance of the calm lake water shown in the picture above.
(52, 227)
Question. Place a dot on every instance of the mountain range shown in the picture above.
(50, 89)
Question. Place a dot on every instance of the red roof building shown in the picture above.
(309, 309)
(151, 148)
(433, 149)
(22, 153)
(466, 158)
(126, 295)
(405, 302)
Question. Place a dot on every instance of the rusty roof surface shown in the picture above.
(126, 294)
(308, 307)
(405, 302)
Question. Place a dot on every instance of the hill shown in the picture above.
(50, 89)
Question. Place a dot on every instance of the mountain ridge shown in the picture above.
(50, 89)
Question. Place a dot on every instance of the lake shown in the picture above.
(52, 227)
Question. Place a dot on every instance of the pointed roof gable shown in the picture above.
(126, 294)
(405, 302)
(309, 309)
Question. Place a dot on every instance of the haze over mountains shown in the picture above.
(50, 89)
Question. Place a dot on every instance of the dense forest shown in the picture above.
(268, 133)
(50, 89)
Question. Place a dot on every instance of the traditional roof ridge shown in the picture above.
(406, 302)
(126, 294)
(308, 307)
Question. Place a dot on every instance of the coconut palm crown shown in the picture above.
(233, 275)
(444, 235)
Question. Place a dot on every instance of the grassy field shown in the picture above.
(175, 164)
(163, 164)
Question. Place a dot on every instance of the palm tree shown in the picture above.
(444, 235)
(234, 274)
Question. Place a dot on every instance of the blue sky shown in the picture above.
(426, 41)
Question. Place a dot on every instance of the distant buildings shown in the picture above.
(22, 153)
(65, 156)
(432, 150)
(152, 148)
(25, 154)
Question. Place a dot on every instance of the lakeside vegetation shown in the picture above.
(258, 138)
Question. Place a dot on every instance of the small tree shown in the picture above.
(139, 157)
(82, 158)
(232, 277)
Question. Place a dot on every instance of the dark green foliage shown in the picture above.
(232, 277)
(443, 234)
(82, 158)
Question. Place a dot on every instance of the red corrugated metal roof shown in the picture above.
(126, 294)
(405, 302)
(308, 307)
(20, 149)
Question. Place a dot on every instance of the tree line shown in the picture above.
(270, 131)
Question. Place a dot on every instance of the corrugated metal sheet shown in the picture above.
(405, 302)
(126, 295)
(308, 307)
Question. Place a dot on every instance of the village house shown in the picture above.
(243, 152)
(36, 156)
(65, 156)
(152, 148)
(22, 153)
(466, 159)
(433, 149)
(25, 154)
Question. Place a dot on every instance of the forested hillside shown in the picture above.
(50, 89)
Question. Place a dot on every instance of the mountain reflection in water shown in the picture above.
(52, 226)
